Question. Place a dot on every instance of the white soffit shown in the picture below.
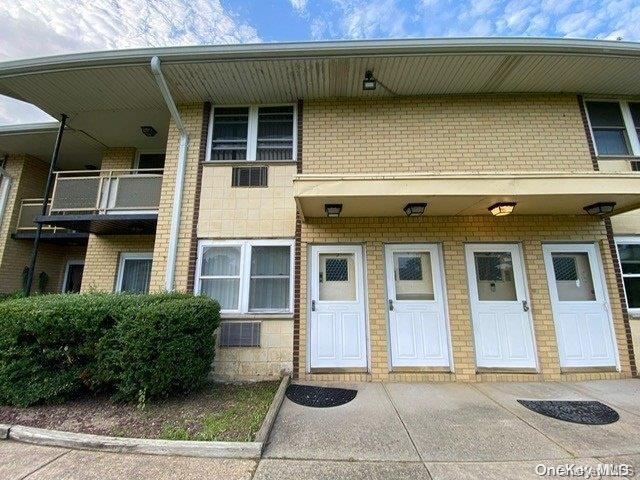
(121, 80)
(465, 194)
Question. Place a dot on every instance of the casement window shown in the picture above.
(629, 256)
(247, 276)
(615, 127)
(134, 272)
(256, 133)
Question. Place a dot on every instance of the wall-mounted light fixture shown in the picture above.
(333, 209)
(501, 209)
(414, 209)
(148, 130)
(369, 82)
(600, 208)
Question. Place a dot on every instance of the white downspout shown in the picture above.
(180, 170)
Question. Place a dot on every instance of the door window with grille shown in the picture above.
(494, 276)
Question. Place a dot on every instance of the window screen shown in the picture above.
(275, 133)
(336, 270)
(239, 334)
(229, 138)
(608, 127)
(565, 268)
(249, 177)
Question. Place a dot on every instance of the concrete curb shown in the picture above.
(272, 413)
(84, 441)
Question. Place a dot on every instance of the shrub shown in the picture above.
(54, 346)
(164, 349)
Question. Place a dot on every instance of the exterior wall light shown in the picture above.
(501, 209)
(149, 131)
(414, 209)
(333, 209)
(369, 82)
(600, 208)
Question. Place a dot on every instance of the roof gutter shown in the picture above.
(324, 49)
(180, 172)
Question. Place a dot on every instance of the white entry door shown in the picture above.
(416, 303)
(337, 313)
(502, 326)
(580, 310)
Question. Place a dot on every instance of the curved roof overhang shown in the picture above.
(283, 72)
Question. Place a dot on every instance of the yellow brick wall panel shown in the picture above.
(445, 134)
(452, 233)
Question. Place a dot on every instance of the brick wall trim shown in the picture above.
(202, 153)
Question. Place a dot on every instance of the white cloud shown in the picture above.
(45, 27)
(32, 28)
(369, 19)
(299, 5)
(15, 112)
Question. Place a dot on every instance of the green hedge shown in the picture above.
(136, 347)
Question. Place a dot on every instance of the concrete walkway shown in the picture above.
(412, 431)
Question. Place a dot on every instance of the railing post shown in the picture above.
(47, 192)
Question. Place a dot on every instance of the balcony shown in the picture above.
(536, 193)
(105, 202)
(30, 209)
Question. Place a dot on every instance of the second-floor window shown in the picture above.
(263, 133)
(615, 126)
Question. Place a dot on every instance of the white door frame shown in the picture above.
(63, 288)
(518, 270)
(313, 252)
(437, 266)
(597, 267)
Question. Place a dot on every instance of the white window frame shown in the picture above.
(124, 256)
(245, 272)
(63, 288)
(627, 240)
(634, 141)
(252, 133)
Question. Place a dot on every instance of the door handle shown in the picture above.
(390, 305)
(313, 305)
(525, 306)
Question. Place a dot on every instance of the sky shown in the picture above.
(34, 28)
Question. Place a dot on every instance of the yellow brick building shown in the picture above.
(426, 227)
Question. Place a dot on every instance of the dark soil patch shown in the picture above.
(226, 412)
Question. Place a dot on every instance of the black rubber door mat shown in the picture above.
(586, 412)
(320, 397)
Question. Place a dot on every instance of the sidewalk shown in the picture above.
(390, 431)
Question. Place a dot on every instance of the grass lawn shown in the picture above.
(226, 412)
